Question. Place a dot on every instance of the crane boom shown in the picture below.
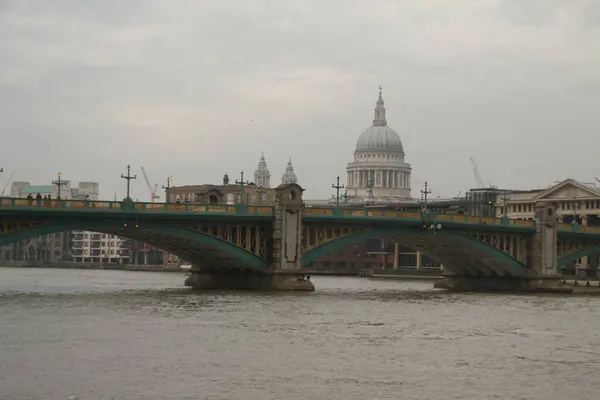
(153, 195)
(597, 179)
(478, 179)
(12, 174)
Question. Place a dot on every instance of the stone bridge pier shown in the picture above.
(541, 273)
(284, 254)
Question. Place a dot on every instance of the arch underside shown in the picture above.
(191, 245)
(459, 254)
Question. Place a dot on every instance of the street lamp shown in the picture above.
(337, 188)
(345, 197)
(424, 193)
(576, 206)
(167, 189)
(128, 177)
(59, 183)
(242, 184)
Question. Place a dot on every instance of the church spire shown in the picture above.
(262, 176)
(289, 176)
(379, 119)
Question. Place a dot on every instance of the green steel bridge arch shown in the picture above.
(458, 253)
(574, 256)
(190, 245)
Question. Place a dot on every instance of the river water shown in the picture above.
(141, 335)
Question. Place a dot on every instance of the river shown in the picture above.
(142, 335)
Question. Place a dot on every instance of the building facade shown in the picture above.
(233, 192)
(578, 203)
(378, 172)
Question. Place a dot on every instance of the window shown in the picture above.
(254, 198)
(263, 198)
(229, 198)
(238, 197)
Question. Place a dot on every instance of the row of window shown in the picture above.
(96, 236)
(378, 156)
(563, 205)
(232, 198)
(105, 252)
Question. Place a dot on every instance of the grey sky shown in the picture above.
(194, 89)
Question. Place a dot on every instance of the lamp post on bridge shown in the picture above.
(167, 188)
(337, 188)
(59, 183)
(243, 184)
(424, 193)
(128, 177)
(345, 197)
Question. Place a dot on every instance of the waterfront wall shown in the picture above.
(64, 265)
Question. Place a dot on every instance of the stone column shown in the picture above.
(542, 251)
(396, 255)
(584, 260)
(287, 228)
(284, 258)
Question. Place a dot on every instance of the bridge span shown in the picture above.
(270, 247)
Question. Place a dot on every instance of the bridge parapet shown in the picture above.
(103, 206)
(348, 214)
(577, 228)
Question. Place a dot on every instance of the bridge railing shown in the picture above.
(348, 213)
(89, 205)
(579, 228)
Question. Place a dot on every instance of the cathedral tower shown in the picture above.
(262, 176)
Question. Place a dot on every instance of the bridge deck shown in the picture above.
(264, 212)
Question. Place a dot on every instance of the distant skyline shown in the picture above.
(194, 89)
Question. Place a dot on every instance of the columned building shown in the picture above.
(378, 172)
(577, 202)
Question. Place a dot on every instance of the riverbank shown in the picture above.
(113, 267)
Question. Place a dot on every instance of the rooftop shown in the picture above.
(34, 189)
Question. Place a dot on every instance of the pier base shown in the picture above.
(516, 285)
(203, 279)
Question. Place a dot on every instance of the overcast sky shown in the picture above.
(197, 88)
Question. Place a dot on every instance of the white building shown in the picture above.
(93, 247)
(378, 172)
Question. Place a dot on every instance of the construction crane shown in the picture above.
(152, 189)
(597, 179)
(478, 179)
(12, 174)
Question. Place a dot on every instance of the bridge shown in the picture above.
(269, 247)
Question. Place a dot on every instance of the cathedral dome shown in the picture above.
(380, 136)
